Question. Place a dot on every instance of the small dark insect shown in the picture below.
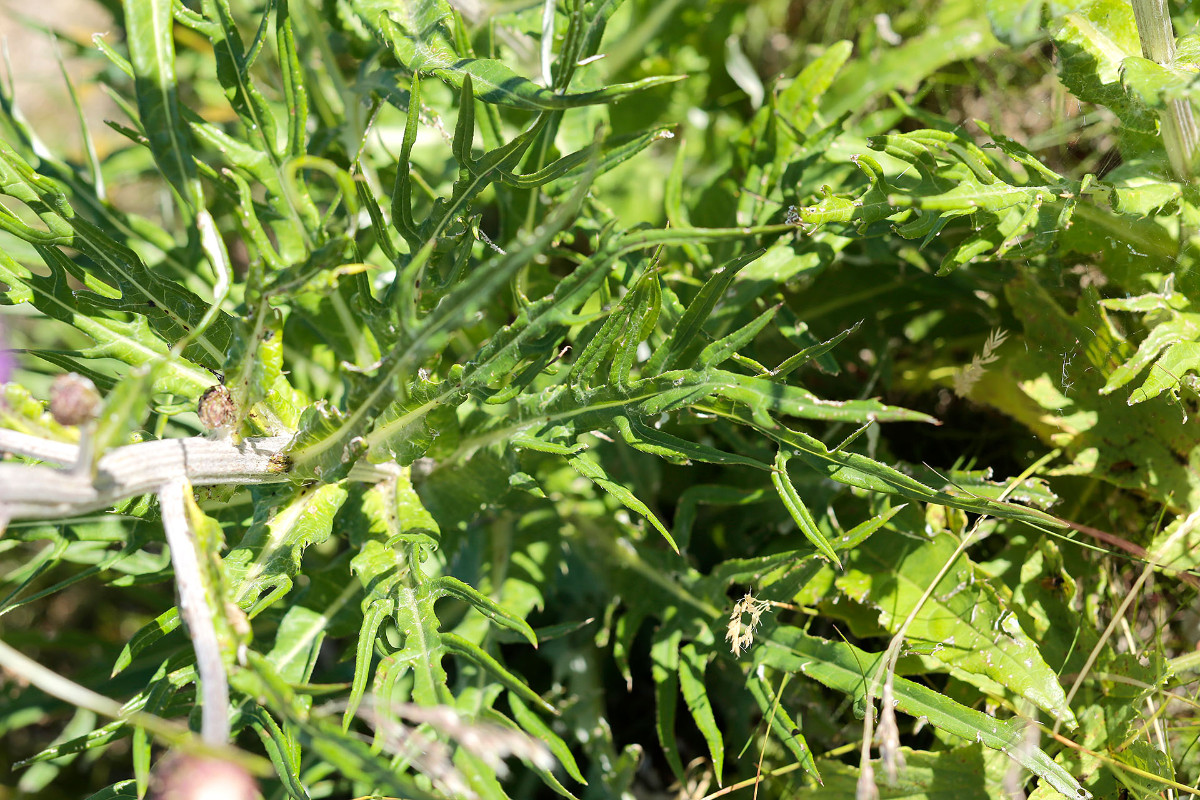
(281, 463)
(1052, 583)
(1122, 467)
(216, 408)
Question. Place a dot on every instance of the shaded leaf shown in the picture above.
(842, 666)
(964, 623)
(419, 35)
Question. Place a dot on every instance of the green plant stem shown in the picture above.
(887, 664)
(1187, 662)
(1185, 529)
(1180, 135)
(1154, 29)
(22, 666)
(29, 491)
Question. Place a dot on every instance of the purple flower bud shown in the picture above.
(191, 777)
(73, 400)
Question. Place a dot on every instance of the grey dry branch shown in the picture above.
(167, 468)
(196, 612)
(30, 491)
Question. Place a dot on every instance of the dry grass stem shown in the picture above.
(889, 734)
(434, 758)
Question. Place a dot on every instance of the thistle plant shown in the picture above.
(465, 367)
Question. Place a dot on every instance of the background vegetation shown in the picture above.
(689, 387)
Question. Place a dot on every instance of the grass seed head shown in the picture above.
(966, 378)
(740, 632)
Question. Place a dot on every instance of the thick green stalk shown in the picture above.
(1180, 135)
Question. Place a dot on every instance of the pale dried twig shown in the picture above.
(196, 612)
(38, 492)
(486, 741)
(167, 468)
(23, 444)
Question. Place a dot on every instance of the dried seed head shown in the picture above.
(188, 777)
(866, 788)
(966, 378)
(889, 734)
(738, 633)
(73, 399)
(216, 408)
(434, 758)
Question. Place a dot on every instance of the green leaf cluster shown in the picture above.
(638, 371)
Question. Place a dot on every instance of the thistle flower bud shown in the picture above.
(73, 400)
(189, 777)
(216, 408)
